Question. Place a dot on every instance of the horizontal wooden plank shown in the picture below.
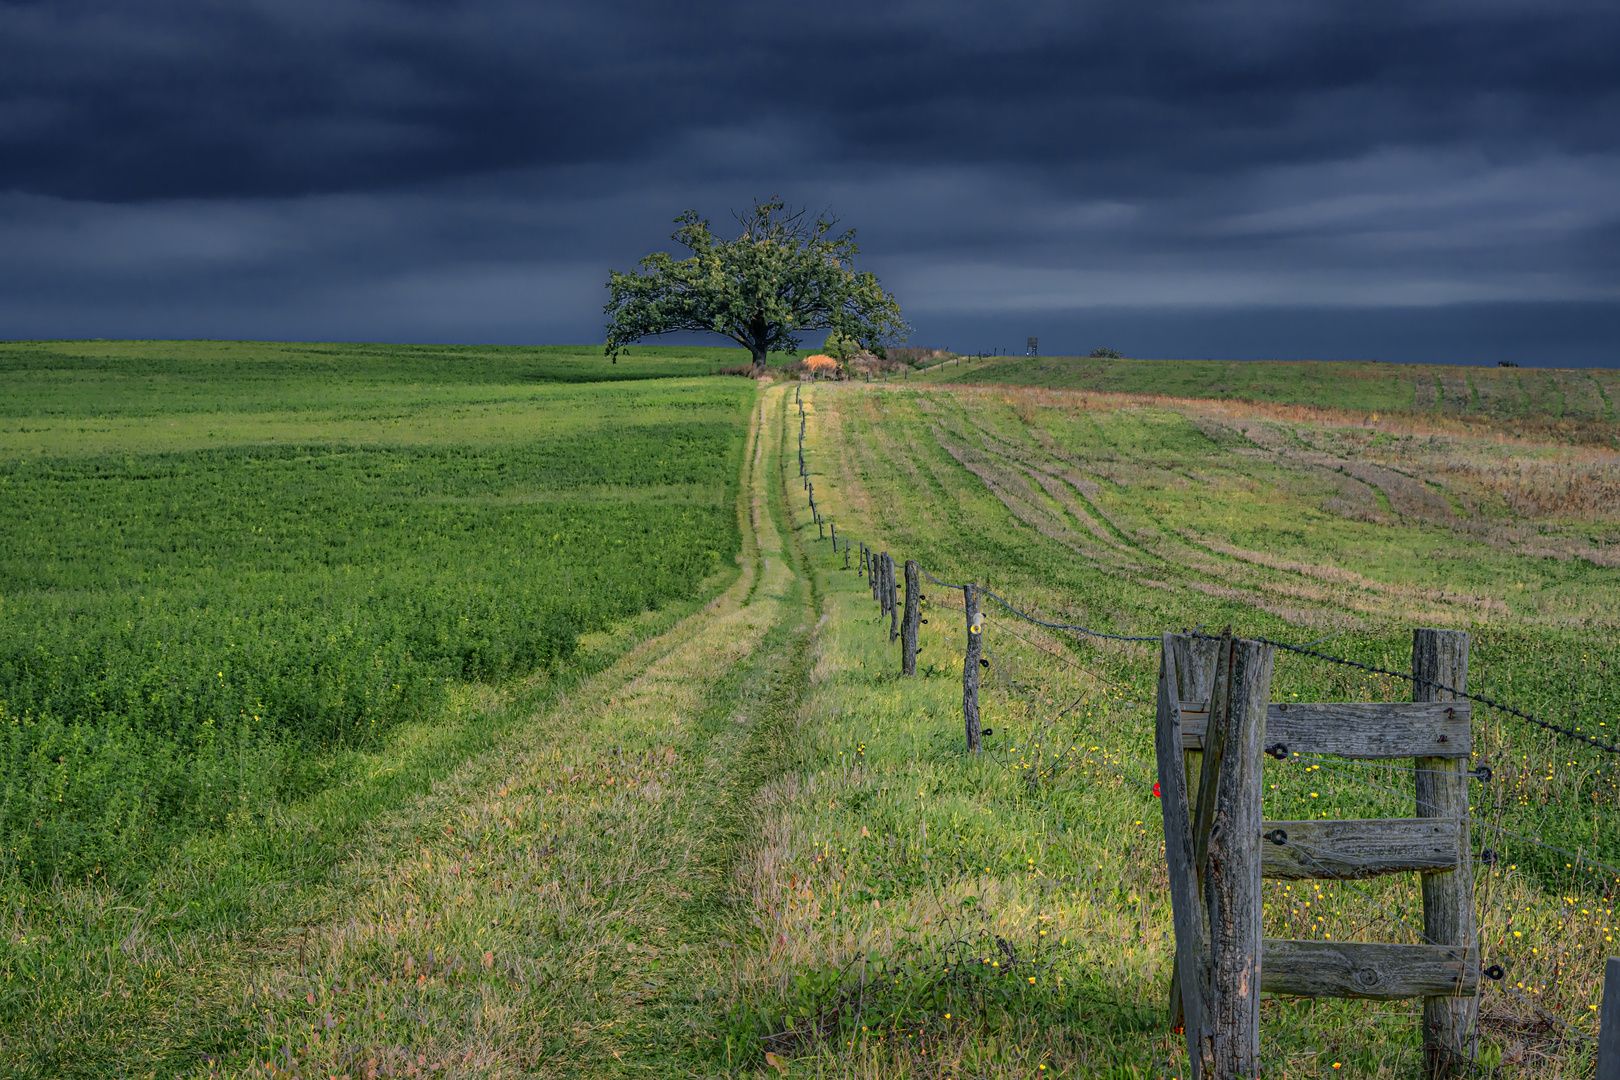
(1361, 969)
(1359, 848)
(1384, 729)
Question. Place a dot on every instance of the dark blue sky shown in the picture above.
(1404, 181)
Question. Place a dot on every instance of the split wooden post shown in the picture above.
(1608, 1055)
(1190, 971)
(970, 666)
(1449, 1038)
(884, 593)
(1192, 668)
(908, 626)
(1226, 835)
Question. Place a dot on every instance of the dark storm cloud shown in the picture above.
(140, 100)
(364, 168)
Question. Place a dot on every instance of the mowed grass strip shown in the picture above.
(568, 904)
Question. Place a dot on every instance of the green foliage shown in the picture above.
(187, 634)
(1105, 354)
(841, 347)
(782, 276)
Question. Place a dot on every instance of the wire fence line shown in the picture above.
(1043, 718)
(1302, 650)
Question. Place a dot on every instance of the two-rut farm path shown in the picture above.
(573, 902)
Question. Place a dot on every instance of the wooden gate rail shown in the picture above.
(1209, 753)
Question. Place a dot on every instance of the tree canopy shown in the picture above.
(784, 275)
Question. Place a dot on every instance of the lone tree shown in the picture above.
(783, 275)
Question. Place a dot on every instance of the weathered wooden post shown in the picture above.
(884, 593)
(1195, 679)
(894, 604)
(1190, 972)
(1226, 826)
(1608, 1055)
(1449, 1038)
(846, 554)
(908, 626)
(1192, 667)
(1218, 970)
(834, 529)
(970, 665)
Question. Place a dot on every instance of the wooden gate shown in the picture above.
(1215, 723)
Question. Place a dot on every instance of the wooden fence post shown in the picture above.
(1608, 1055)
(1192, 668)
(1449, 1039)
(970, 667)
(885, 594)
(1190, 971)
(1226, 832)
(1195, 681)
(894, 605)
(908, 626)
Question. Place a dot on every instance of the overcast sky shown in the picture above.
(1401, 181)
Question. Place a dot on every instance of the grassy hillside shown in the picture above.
(1558, 403)
(733, 840)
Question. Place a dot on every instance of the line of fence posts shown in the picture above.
(1214, 776)
(1213, 704)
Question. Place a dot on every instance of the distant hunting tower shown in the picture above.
(1032, 346)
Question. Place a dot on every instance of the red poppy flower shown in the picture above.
(1156, 794)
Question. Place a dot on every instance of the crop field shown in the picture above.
(655, 798)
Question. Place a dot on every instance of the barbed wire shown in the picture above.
(1570, 733)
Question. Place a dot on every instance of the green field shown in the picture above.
(526, 725)
(225, 565)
